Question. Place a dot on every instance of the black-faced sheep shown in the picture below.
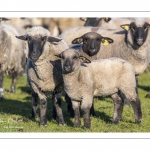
(44, 71)
(103, 77)
(11, 53)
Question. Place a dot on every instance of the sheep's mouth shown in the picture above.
(67, 70)
(34, 58)
(93, 52)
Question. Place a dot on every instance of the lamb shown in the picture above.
(113, 76)
(44, 73)
(11, 54)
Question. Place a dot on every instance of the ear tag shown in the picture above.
(78, 40)
(126, 28)
(85, 19)
(106, 42)
(106, 18)
(27, 28)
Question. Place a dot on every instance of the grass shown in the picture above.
(15, 112)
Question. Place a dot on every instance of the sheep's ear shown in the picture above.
(58, 55)
(27, 27)
(84, 59)
(5, 19)
(53, 39)
(77, 40)
(22, 37)
(106, 41)
(125, 27)
(83, 19)
(107, 19)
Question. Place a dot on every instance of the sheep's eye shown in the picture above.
(98, 39)
(145, 27)
(75, 57)
(133, 27)
(85, 39)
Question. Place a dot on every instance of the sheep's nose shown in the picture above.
(140, 41)
(67, 67)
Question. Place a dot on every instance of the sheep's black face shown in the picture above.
(92, 22)
(91, 43)
(35, 47)
(139, 34)
(70, 61)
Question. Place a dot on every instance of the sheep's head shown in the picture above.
(94, 21)
(92, 42)
(71, 60)
(138, 32)
(36, 44)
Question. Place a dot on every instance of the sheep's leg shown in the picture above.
(34, 105)
(92, 111)
(136, 105)
(85, 107)
(43, 110)
(70, 109)
(69, 105)
(57, 111)
(76, 108)
(13, 84)
(1, 85)
(136, 78)
(118, 107)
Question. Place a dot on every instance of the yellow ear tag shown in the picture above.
(27, 28)
(106, 18)
(85, 19)
(78, 40)
(106, 42)
(126, 28)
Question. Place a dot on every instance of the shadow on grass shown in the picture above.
(145, 88)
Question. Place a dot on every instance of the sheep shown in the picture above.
(131, 44)
(106, 22)
(44, 73)
(113, 76)
(11, 54)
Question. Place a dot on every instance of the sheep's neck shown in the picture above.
(72, 82)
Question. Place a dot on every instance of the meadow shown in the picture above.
(15, 112)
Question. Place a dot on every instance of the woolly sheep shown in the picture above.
(103, 77)
(106, 22)
(44, 71)
(11, 55)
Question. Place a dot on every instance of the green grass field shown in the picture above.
(15, 112)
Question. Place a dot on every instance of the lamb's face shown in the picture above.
(138, 31)
(92, 42)
(70, 60)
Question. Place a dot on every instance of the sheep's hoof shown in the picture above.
(12, 89)
(43, 125)
(62, 124)
(138, 121)
(116, 121)
(77, 124)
